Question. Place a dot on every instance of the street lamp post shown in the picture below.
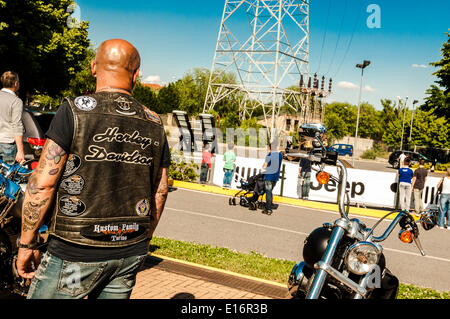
(362, 67)
(403, 126)
(412, 120)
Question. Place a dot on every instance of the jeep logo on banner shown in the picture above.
(368, 188)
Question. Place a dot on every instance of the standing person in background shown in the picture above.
(444, 201)
(304, 174)
(230, 159)
(206, 164)
(418, 184)
(401, 159)
(405, 175)
(271, 168)
(11, 126)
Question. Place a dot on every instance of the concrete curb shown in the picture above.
(273, 283)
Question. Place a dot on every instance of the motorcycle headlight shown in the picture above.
(362, 257)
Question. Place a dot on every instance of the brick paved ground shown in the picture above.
(154, 283)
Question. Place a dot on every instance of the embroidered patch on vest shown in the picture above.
(124, 106)
(71, 206)
(113, 232)
(151, 116)
(85, 103)
(72, 165)
(73, 185)
(143, 207)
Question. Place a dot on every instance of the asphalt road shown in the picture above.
(208, 219)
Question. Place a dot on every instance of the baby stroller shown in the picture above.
(250, 193)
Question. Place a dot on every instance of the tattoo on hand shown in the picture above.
(31, 214)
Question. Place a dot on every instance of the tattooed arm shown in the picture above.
(38, 197)
(159, 198)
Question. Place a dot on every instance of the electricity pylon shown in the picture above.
(265, 45)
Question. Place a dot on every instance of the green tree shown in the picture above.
(438, 100)
(430, 130)
(36, 42)
(146, 96)
(83, 82)
(369, 125)
(340, 120)
(168, 99)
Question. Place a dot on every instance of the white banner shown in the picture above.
(366, 188)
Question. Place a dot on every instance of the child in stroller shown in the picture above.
(250, 193)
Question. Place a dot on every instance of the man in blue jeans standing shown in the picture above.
(104, 170)
(271, 168)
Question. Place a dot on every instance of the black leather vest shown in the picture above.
(104, 195)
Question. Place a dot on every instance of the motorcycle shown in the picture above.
(13, 181)
(344, 260)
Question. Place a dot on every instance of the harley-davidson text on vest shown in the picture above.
(104, 196)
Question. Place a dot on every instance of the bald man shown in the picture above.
(103, 176)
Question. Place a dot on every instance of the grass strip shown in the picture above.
(256, 265)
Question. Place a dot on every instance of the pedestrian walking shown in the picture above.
(206, 164)
(304, 178)
(104, 169)
(405, 175)
(417, 185)
(272, 170)
(229, 159)
(11, 126)
(444, 201)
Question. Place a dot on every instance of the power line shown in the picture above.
(324, 35)
(358, 19)
(339, 36)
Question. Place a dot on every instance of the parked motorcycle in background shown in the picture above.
(13, 180)
(344, 260)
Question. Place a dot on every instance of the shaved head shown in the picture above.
(116, 64)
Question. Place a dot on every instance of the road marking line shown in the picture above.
(290, 205)
(238, 221)
(292, 231)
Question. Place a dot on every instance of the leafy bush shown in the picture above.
(369, 154)
(182, 170)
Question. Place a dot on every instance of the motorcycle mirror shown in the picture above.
(323, 178)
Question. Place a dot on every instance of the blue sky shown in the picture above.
(175, 36)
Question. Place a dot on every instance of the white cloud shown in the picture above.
(352, 86)
(154, 79)
(347, 85)
(369, 89)
(422, 66)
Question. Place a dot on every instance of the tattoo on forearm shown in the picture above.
(32, 214)
(55, 153)
(54, 171)
(32, 186)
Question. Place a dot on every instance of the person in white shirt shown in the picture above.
(401, 159)
(11, 126)
(444, 201)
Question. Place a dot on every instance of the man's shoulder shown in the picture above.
(5, 96)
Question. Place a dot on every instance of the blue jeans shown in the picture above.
(306, 185)
(8, 153)
(270, 185)
(227, 176)
(204, 173)
(444, 210)
(61, 279)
